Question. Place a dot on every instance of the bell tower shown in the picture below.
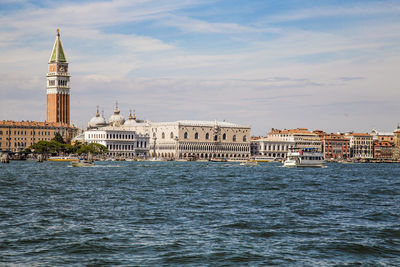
(58, 85)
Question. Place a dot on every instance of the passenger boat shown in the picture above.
(63, 159)
(304, 157)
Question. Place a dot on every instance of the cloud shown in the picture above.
(350, 9)
(187, 24)
(144, 54)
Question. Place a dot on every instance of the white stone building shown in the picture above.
(173, 140)
(361, 145)
(120, 141)
(278, 142)
(199, 140)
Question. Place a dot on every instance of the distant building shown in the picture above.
(278, 142)
(174, 140)
(381, 136)
(361, 145)
(335, 146)
(58, 100)
(383, 150)
(199, 139)
(120, 141)
(396, 139)
(16, 136)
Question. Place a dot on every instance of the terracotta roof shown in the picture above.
(291, 131)
(360, 134)
(34, 124)
(383, 144)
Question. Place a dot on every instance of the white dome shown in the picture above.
(130, 123)
(131, 120)
(116, 119)
(97, 121)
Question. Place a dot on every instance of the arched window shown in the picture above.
(234, 138)
(224, 136)
(172, 135)
(244, 138)
(207, 136)
(196, 136)
(215, 137)
(185, 135)
(163, 135)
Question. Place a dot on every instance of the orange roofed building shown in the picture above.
(383, 150)
(17, 135)
(335, 146)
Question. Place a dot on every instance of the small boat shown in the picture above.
(63, 159)
(218, 160)
(249, 163)
(82, 163)
(264, 159)
(304, 157)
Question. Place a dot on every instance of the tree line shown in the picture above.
(58, 145)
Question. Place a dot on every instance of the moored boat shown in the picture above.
(305, 157)
(263, 159)
(60, 158)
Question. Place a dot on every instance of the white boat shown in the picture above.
(305, 157)
(264, 159)
(82, 163)
(249, 163)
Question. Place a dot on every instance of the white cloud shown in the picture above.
(290, 79)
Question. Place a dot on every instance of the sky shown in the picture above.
(331, 65)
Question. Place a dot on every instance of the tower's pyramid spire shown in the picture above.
(58, 55)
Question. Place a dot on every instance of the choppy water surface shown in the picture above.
(188, 213)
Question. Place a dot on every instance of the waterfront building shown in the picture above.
(273, 147)
(335, 146)
(396, 139)
(16, 136)
(255, 145)
(199, 140)
(361, 145)
(58, 100)
(278, 142)
(174, 140)
(382, 136)
(120, 141)
(383, 150)
(122, 138)
(396, 135)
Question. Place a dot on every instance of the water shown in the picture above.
(196, 214)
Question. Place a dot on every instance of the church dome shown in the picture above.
(116, 119)
(131, 120)
(97, 121)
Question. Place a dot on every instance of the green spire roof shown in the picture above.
(58, 55)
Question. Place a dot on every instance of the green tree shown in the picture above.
(58, 138)
(95, 148)
(41, 147)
